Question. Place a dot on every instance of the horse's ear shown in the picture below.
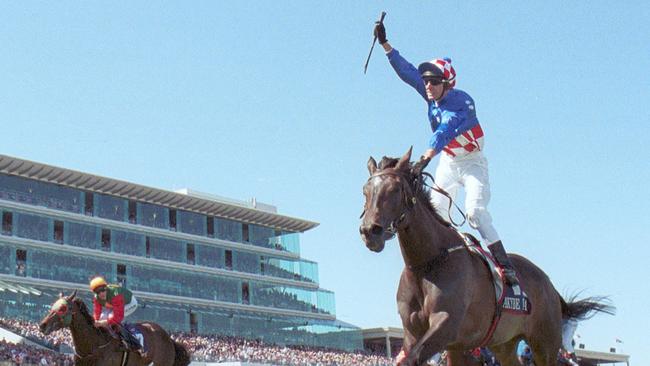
(372, 166)
(72, 295)
(405, 161)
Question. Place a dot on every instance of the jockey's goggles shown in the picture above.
(432, 80)
(100, 289)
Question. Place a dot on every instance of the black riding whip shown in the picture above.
(381, 20)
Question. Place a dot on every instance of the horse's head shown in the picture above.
(60, 315)
(389, 194)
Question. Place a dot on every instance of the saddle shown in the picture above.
(511, 299)
(125, 333)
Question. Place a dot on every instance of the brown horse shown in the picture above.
(446, 298)
(95, 346)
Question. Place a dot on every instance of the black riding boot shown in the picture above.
(132, 343)
(499, 254)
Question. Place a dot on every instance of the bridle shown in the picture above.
(60, 315)
(411, 200)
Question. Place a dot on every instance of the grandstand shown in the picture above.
(197, 263)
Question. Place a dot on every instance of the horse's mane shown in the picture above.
(83, 309)
(417, 183)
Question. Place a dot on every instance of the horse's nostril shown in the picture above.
(376, 230)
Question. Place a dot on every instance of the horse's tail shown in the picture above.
(586, 308)
(182, 357)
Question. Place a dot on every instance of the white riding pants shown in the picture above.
(471, 173)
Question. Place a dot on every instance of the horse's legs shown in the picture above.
(546, 340)
(545, 351)
(507, 353)
(460, 358)
(435, 339)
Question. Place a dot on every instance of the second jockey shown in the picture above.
(458, 135)
(111, 304)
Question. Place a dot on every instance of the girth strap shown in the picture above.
(436, 261)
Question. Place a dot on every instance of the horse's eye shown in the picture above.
(62, 310)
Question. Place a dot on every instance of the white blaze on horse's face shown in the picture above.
(382, 192)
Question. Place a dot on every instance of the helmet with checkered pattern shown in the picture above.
(439, 68)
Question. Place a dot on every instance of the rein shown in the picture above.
(409, 203)
(94, 353)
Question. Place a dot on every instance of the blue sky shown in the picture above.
(269, 99)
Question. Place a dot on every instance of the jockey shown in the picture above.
(457, 133)
(111, 304)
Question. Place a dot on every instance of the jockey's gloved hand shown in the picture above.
(420, 165)
(380, 32)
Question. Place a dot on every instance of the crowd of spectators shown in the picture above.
(30, 331)
(20, 354)
(233, 349)
(202, 348)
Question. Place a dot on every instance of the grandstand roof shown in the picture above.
(589, 358)
(223, 208)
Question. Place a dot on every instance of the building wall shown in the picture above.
(56, 233)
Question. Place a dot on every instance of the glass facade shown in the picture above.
(50, 265)
(128, 243)
(32, 227)
(81, 235)
(192, 223)
(228, 230)
(120, 252)
(13, 188)
(109, 207)
(152, 215)
(277, 329)
(131, 243)
(208, 256)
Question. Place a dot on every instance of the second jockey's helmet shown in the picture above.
(439, 67)
(97, 282)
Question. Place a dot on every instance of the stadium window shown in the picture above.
(121, 274)
(89, 206)
(21, 262)
(106, 240)
(58, 231)
(148, 247)
(190, 254)
(172, 220)
(245, 233)
(210, 226)
(228, 257)
(132, 212)
(245, 296)
(7, 223)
